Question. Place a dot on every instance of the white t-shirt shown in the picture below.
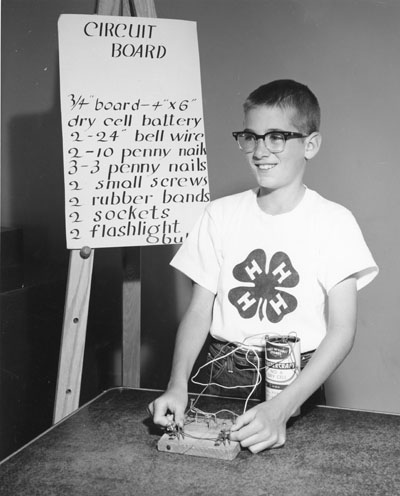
(271, 274)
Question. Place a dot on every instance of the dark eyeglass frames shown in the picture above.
(274, 141)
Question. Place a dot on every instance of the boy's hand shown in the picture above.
(174, 402)
(261, 427)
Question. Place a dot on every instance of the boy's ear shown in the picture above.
(312, 145)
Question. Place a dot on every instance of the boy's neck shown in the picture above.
(281, 201)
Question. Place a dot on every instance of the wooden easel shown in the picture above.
(79, 285)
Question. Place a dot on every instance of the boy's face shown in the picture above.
(275, 170)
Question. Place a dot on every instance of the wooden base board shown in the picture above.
(203, 441)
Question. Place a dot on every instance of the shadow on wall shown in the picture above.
(36, 191)
(32, 308)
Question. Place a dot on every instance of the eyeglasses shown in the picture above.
(274, 141)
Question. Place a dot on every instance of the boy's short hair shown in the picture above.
(286, 93)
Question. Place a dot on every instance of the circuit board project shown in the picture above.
(201, 437)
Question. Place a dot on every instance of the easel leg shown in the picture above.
(74, 334)
(131, 318)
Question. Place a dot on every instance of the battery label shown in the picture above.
(282, 360)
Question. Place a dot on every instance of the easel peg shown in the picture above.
(85, 252)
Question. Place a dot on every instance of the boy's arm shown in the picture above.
(190, 338)
(264, 426)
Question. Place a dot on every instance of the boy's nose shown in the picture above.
(260, 149)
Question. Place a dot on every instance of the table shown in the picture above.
(108, 447)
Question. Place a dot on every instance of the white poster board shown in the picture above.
(134, 151)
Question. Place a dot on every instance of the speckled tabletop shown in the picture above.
(108, 447)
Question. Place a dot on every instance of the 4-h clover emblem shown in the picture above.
(264, 291)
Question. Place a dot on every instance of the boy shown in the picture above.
(274, 260)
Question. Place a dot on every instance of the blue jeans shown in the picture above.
(235, 370)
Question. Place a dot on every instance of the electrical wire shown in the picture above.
(290, 340)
